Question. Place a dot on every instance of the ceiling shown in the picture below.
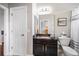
(59, 7)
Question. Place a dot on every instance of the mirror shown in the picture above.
(44, 26)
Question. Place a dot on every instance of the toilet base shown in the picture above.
(66, 54)
(69, 51)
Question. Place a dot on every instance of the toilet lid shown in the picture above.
(70, 50)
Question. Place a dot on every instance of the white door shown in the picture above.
(18, 30)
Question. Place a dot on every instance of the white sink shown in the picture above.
(43, 37)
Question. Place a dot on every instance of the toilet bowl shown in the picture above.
(69, 51)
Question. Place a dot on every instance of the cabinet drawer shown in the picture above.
(36, 41)
(52, 42)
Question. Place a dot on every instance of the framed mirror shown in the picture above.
(43, 25)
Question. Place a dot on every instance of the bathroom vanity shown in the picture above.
(44, 46)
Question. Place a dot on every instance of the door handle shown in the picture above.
(22, 34)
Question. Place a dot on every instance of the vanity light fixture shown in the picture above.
(44, 10)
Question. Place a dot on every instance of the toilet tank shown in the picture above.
(64, 40)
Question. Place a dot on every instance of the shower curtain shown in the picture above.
(75, 30)
(75, 33)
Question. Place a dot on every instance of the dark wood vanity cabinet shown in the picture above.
(44, 47)
(38, 49)
(51, 50)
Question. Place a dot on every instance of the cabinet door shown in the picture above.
(38, 50)
(51, 50)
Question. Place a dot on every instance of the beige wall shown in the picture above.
(29, 33)
(60, 29)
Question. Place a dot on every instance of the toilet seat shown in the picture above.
(70, 50)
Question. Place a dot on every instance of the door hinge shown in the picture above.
(11, 14)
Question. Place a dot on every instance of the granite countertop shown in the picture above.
(44, 37)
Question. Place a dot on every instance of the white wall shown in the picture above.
(1, 21)
(35, 17)
(60, 29)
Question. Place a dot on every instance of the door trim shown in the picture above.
(6, 29)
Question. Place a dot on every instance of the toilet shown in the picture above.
(68, 51)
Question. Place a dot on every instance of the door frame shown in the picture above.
(6, 29)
